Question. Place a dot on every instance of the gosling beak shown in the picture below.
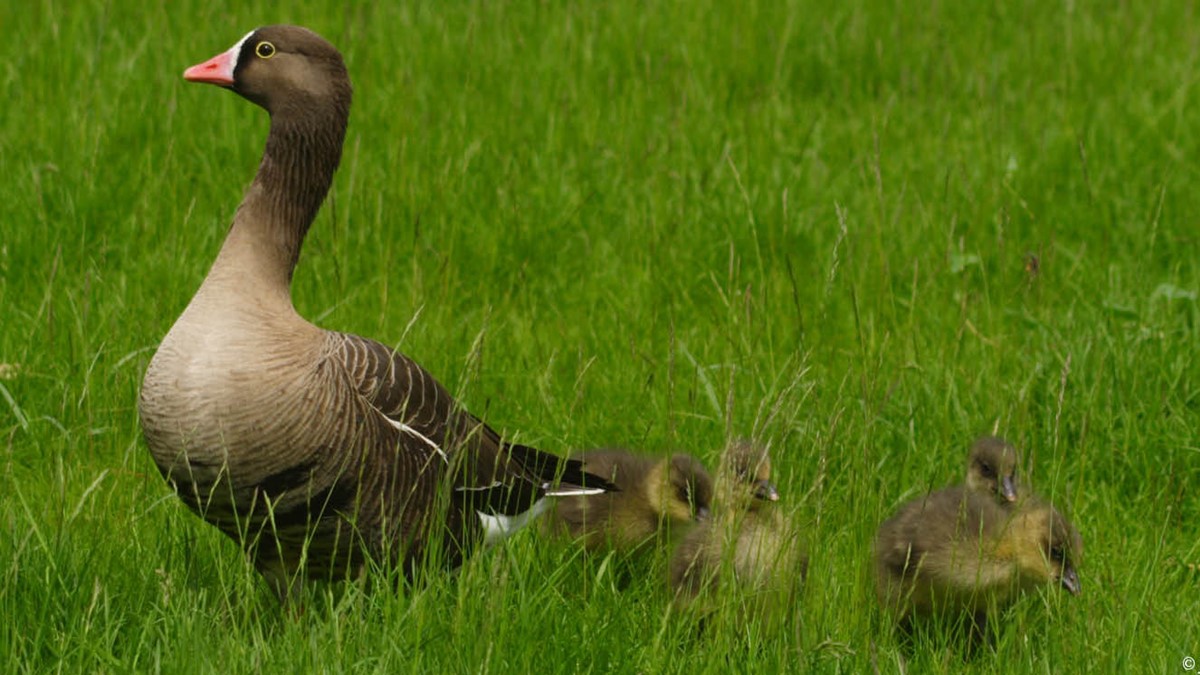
(702, 514)
(766, 491)
(1070, 580)
(1008, 487)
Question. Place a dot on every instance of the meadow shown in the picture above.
(863, 232)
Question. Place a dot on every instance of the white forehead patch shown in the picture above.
(235, 50)
(243, 40)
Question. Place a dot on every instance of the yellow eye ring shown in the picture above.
(264, 50)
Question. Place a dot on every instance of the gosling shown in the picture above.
(750, 538)
(957, 552)
(657, 496)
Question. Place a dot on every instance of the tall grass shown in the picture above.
(864, 232)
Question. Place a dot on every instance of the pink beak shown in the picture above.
(217, 70)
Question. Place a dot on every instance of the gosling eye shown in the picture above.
(987, 470)
(683, 495)
(264, 50)
(1057, 554)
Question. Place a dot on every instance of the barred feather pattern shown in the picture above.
(316, 460)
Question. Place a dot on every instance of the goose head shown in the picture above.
(992, 468)
(689, 489)
(1048, 547)
(748, 466)
(279, 68)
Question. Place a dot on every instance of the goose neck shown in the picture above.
(302, 153)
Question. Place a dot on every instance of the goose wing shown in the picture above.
(492, 475)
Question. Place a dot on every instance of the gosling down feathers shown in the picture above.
(957, 551)
(992, 469)
(748, 534)
(657, 496)
(315, 449)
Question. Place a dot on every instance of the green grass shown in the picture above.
(603, 223)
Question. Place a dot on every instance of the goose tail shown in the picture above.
(504, 508)
(559, 477)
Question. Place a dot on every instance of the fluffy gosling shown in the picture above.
(657, 495)
(958, 552)
(750, 537)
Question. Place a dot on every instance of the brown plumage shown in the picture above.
(992, 469)
(313, 448)
(658, 497)
(748, 537)
(959, 552)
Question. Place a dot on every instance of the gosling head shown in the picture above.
(992, 469)
(1050, 547)
(749, 466)
(689, 490)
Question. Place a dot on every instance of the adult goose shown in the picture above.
(316, 450)
(658, 497)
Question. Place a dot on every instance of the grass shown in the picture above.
(603, 223)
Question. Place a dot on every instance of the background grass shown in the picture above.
(605, 223)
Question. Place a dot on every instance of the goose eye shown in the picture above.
(1057, 554)
(987, 471)
(264, 50)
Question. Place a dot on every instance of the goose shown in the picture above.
(748, 536)
(959, 552)
(657, 497)
(992, 469)
(318, 450)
